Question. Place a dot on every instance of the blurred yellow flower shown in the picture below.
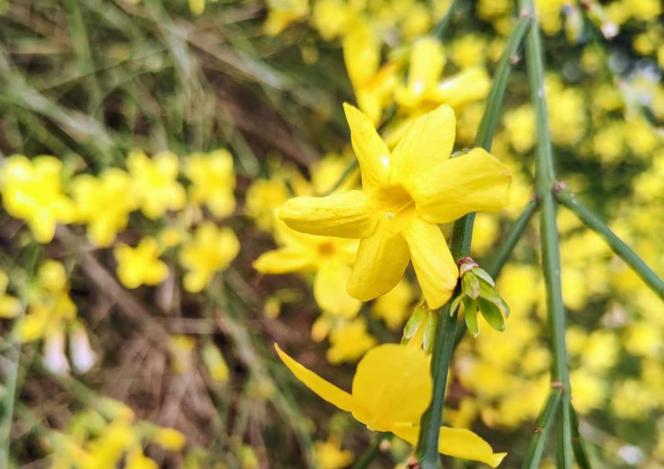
(349, 341)
(395, 306)
(155, 183)
(329, 455)
(391, 390)
(328, 257)
(215, 363)
(103, 203)
(212, 181)
(281, 13)
(211, 250)
(32, 191)
(404, 196)
(140, 265)
(10, 307)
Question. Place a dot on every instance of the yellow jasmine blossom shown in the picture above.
(391, 389)
(395, 306)
(281, 13)
(350, 340)
(215, 363)
(404, 196)
(373, 85)
(103, 203)
(212, 181)
(140, 265)
(328, 257)
(155, 182)
(211, 250)
(169, 438)
(31, 191)
(329, 455)
(424, 88)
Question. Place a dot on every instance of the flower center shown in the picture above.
(394, 201)
(326, 249)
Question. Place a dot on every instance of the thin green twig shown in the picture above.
(544, 184)
(541, 430)
(618, 246)
(7, 414)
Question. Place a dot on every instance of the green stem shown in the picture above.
(579, 449)
(443, 347)
(372, 452)
(441, 28)
(504, 251)
(444, 342)
(544, 183)
(542, 426)
(618, 246)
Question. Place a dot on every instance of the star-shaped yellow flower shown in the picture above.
(391, 389)
(404, 196)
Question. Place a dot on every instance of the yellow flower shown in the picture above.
(328, 257)
(329, 455)
(211, 250)
(169, 438)
(137, 460)
(212, 181)
(281, 13)
(140, 265)
(394, 306)
(424, 88)
(155, 182)
(350, 340)
(391, 389)
(31, 191)
(404, 196)
(10, 307)
(263, 197)
(373, 85)
(103, 203)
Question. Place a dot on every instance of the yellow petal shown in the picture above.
(328, 391)
(330, 290)
(345, 214)
(470, 85)
(282, 261)
(427, 142)
(370, 150)
(361, 50)
(473, 182)
(381, 261)
(456, 442)
(434, 265)
(392, 386)
(426, 64)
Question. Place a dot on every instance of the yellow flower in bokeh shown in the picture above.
(140, 265)
(391, 389)
(373, 85)
(103, 203)
(329, 455)
(424, 89)
(281, 13)
(155, 182)
(212, 181)
(395, 306)
(405, 195)
(349, 341)
(215, 363)
(328, 257)
(211, 250)
(32, 191)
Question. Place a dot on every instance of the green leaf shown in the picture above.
(470, 285)
(455, 303)
(484, 275)
(412, 326)
(492, 314)
(470, 316)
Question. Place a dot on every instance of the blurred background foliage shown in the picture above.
(139, 333)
